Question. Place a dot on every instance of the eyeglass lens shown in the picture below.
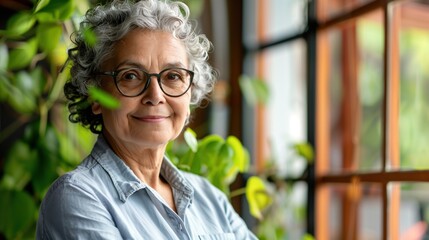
(173, 81)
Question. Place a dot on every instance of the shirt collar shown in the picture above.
(126, 182)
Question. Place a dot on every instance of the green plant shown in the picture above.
(285, 217)
(220, 160)
(33, 48)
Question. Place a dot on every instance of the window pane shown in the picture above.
(285, 17)
(413, 24)
(356, 94)
(327, 9)
(277, 18)
(286, 108)
(409, 210)
(354, 206)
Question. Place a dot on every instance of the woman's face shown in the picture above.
(151, 119)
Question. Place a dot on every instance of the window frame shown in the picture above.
(318, 177)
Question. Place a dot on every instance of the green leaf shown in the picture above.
(21, 56)
(74, 144)
(104, 98)
(210, 150)
(22, 102)
(4, 87)
(307, 237)
(305, 150)
(89, 36)
(210, 139)
(58, 56)
(4, 57)
(20, 164)
(241, 159)
(257, 196)
(41, 4)
(59, 10)
(191, 140)
(226, 154)
(18, 211)
(47, 161)
(48, 36)
(19, 24)
(39, 80)
(254, 90)
(25, 83)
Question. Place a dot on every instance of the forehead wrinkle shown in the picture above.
(152, 56)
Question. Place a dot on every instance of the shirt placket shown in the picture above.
(174, 220)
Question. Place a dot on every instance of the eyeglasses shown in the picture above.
(132, 82)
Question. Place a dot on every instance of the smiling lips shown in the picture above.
(151, 118)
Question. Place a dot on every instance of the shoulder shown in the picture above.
(86, 178)
(81, 174)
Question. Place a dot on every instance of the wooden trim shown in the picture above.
(351, 15)
(376, 177)
(350, 124)
(235, 23)
(392, 85)
(386, 126)
(322, 134)
(412, 13)
(350, 103)
(261, 148)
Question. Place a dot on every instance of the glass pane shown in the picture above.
(354, 206)
(356, 94)
(328, 9)
(409, 211)
(276, 18)
(285, 17)
(286, 122)
(413, 30)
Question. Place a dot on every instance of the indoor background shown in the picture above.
(327, 97)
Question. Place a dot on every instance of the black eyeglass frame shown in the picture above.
(115, 73)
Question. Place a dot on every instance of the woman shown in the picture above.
(148, 57)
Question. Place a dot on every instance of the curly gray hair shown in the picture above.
(110, 23)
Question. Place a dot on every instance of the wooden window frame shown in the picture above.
(390, 125)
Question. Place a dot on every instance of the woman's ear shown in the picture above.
(96, 108)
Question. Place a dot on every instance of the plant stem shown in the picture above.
(237, 192)
(43, 118)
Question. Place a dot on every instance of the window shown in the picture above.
(350, 77)
(371, 164)
(276, 53)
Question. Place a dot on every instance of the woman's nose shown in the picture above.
(153, 94)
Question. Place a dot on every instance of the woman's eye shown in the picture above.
(174, 76)
(130, 76)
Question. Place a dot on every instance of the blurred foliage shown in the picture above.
(285, 217)
(219, 160)
(33, 48)
(254, 90)
(413, 102)
(281, 217)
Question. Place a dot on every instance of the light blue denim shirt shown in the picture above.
(103, 199)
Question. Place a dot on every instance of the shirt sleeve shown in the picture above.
(235, 223)
(238, 226)
(71, 212)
